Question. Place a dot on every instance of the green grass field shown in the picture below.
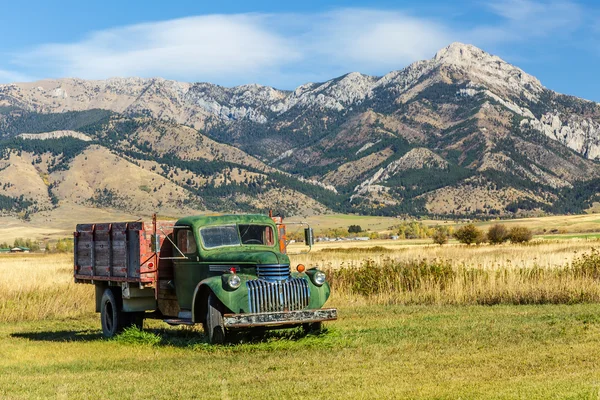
(387, 352)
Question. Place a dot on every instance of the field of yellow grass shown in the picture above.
(35, 287)
(41, 286)
(540, 225)
(542, 253)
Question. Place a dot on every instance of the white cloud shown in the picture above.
(375, 39)
(283, 50)
(233, 49)
(210, 46)
(538, 18)
(204, 47)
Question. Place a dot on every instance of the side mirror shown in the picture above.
(309, 238)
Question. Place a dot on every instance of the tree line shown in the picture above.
(64, 245)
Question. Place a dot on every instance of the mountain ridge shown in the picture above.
(494, 128)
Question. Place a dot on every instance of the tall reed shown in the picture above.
(424, 281)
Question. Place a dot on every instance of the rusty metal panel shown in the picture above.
(84, 263)
(102, 249)
(133, 252)
(148, 258)
(118, 237)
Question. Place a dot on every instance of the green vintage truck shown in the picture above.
(227, 272)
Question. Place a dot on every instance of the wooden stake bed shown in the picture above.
(119, 251)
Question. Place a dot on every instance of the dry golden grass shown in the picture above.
(543, 253)
(402, 273)
(41, 286)
(34, 287)
(540, 225)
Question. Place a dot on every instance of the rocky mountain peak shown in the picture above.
(461, 53)
(489, 70)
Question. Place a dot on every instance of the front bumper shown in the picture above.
(280, 318)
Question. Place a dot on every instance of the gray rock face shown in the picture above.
(575, 132)
(55, 135)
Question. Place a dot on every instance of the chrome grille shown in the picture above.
(266, 296)
(273, 272)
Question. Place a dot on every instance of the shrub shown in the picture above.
(414, 230)
(469, 234)
(520, 234)
(497, 234)
(440, 235)
(354, 229)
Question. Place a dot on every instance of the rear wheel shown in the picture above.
(111, 316)
(214, 326)
(113, 319)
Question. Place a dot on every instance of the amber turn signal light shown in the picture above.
(300, 268)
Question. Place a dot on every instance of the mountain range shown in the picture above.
(462, 134)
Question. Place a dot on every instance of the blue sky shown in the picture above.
(285, 44)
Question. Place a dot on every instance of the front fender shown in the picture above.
(318, 294)
(234, 300)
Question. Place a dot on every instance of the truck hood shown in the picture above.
(247, 257)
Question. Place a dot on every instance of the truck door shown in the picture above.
(188, 272)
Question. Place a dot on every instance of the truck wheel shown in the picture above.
(214, 326)
(312, 327)
(111, 316)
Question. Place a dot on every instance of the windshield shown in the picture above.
(256, 234)
(235, 235)
(216, 236)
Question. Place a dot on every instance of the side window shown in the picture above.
(186, 241)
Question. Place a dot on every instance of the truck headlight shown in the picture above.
(319, 278)
(234, 281)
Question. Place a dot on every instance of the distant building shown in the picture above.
(4, 250)
(19, 250)
(395, 237)
(362, 238)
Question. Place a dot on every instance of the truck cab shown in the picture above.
(235, 265)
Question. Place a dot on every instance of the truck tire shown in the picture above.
(111, 317)
(312, 327)
(214, 327)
